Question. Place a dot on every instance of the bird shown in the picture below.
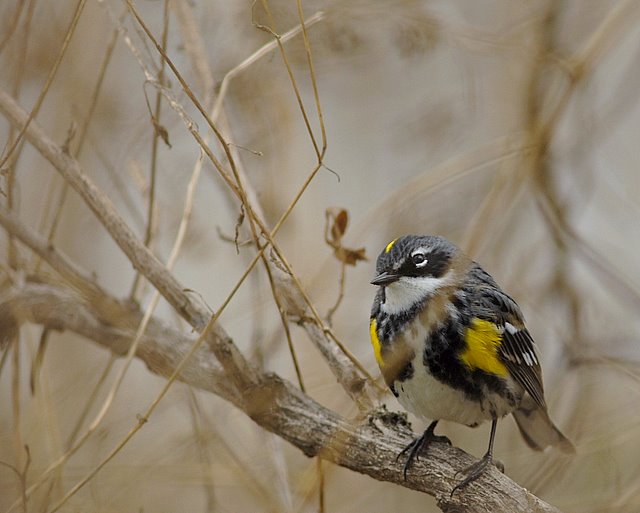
(452, 345)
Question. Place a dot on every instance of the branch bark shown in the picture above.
(139, 255)
(143, 260)
(368, 445)
(191, 309)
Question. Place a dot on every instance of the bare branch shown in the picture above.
(369, 445)
(140, 256)
(161, 347)
(76, 277)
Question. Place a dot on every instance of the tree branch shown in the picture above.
(369, 446)
(161, 347)
(194, 312)
(139, 255)
(147, 264)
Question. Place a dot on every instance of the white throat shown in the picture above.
(403, 294)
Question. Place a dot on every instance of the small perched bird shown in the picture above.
(452, 345)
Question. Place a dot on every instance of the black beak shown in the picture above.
(385, 278)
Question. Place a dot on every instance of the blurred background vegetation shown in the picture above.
(511, 128)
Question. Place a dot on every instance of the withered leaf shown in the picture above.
(337, 220)
(161, 131)
(350, 256)
(340, 222)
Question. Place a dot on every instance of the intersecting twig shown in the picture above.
(369, 445)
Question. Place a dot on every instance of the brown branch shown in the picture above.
(146, 263)
(161, 348)
(369, 445)
(74, 276)
(143, 260)
(366, 446)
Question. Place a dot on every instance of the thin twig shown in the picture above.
(12, 25)
(82, 136)
(369, 446)
(197, 416)
(343, 368)
(13, 159)
(22, 476)
(336, 305)
(255, 57)
(270, 30)
(90, 402)
(155, 139)
(16, 427)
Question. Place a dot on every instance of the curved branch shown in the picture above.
(161, 349)
(144, 261)
(367, 445)
(139, 255)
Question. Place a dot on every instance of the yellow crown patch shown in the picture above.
(390, 245)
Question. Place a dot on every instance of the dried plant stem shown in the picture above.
(197, 417)
(255, 57)
(369, 446)
(312, 75)
(12, 25)
(336, 305)
(155, 139)
(90, 401)
(321, 487)
(22, 477)
(84, 130)
(13, 159)
(343, 368)
(16, 428)
(320, 151)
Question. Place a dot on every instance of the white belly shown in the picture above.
(426, 397)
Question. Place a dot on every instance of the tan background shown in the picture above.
(429, 109)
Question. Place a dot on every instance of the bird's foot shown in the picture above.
(475, 470)
(419, 445)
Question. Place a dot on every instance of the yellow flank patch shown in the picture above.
(390, 245)
(375, 342)
(483, 340)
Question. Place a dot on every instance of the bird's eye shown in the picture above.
(419, 259)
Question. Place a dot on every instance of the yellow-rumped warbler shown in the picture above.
(452, 345)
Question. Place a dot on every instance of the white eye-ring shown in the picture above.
(419, 259)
